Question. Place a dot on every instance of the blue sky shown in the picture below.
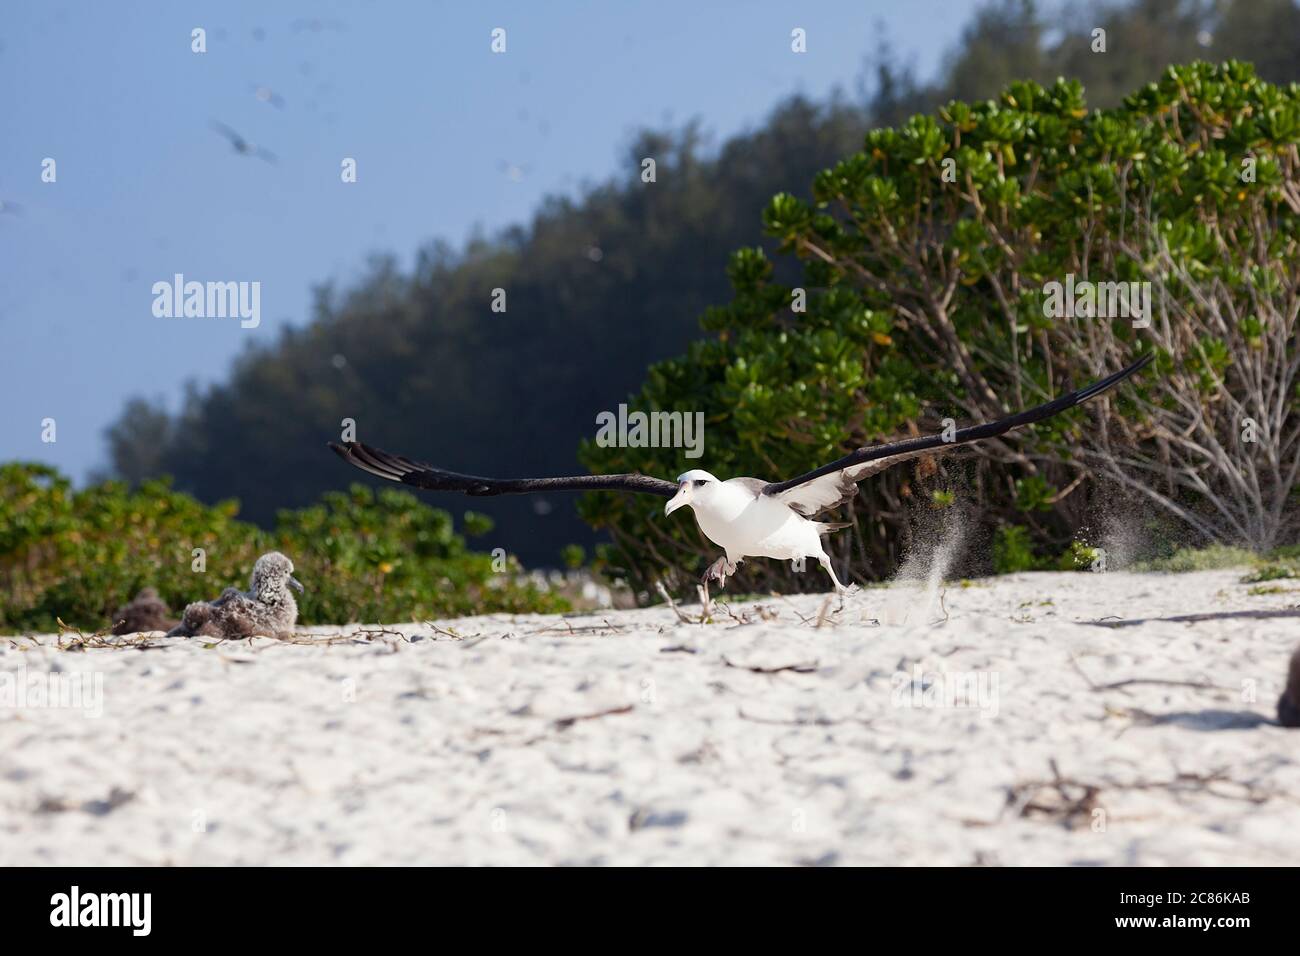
(146, 188)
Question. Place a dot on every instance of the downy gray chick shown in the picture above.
(145, 612)
(267, 607)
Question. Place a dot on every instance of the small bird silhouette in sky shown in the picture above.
(241, 145)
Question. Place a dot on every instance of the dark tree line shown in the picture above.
(603, 284)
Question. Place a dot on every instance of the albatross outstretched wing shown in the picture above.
(396, 468)
(833, 484)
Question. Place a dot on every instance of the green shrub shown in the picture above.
(362, 556)
(927, 260)
(1078, 557)
(1013, 550)
(1270, 572)
(1211, 558)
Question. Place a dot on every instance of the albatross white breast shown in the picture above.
(746, 523)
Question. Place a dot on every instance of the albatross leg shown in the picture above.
(719, 570)
(840, 589)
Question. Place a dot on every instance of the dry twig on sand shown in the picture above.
(681, 615)
(808, 668)
(1134, 681)
(564, 723)
(1074, 803)
(1070, 802)
(100, 639)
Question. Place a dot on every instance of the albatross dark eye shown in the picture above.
(697, 482)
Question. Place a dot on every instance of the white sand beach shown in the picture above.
(629, 737)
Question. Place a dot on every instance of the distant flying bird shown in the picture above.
(746, 517)
(270, 96)
(514, 172)
(10, 208)
(241, 145)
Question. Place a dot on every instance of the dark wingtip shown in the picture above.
(370, 460)
(1106, 384)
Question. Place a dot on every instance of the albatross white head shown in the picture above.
(689, 486)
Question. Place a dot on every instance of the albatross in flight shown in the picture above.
(746, 517)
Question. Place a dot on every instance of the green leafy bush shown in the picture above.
(1271, 572)
(363, 556)
(1211, 558)
(1080, 557)
(1013, 550)
(927, 259)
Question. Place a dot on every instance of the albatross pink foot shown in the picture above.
(718, 571)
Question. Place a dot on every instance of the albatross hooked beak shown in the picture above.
(683, 497)
(295, 584)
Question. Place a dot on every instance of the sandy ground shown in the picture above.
(1016, 731)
